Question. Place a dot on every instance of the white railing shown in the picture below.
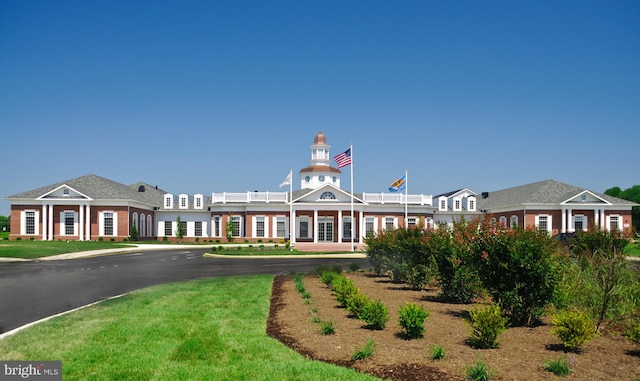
(266, 197)
(397, 198)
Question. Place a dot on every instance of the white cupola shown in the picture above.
(320, 172)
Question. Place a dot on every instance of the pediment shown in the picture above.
(327, 194)
(64, 192)
(586, 197)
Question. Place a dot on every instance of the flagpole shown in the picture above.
(406, 192)
(353, 224)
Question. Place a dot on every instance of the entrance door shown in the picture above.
(325, 229)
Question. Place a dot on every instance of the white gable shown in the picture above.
(585, 197)
(327, 194)
(64, 192)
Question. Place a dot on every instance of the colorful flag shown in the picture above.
(399, 184)
(286, 181)
(343, 159)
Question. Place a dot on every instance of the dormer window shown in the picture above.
(457, 204)
(471, 204)
(184, 201)
(443, 204)
(168, 201)
(65, 193)
(198, 201)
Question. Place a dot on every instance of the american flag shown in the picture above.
(343, 159)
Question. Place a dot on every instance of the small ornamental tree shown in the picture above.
(230, 229)
(179, 228)
(133, 234)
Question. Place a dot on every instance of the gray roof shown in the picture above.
(542, 192)
(99, 188)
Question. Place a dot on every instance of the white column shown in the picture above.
(50, 223)
(564, 220)
(81, 222)
(340, 227)
(44, 222)
(315, 226)
(603, 220)
(87, 221)
(596, 217)
(572, 227)
(292, 227)
(361, 225)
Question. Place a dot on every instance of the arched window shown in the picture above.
(327, 196)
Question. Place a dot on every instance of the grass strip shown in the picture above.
(211, 329)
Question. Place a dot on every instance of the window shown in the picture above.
(412, 222)
(281, 225)
(304, 227)
(578, 222)
(198, 201)
(108, 223)
(260, 226)
(472, 204)
(503, 221)
(236, 221)
(167, 229)
(217, 229)
(514, 222)
(614, 223)
(168, 201)
(457, 204)
(30, 222)
(389, 223)
(198, 229)
(150, 224)
(443, 204)
(142, 232)
(542, 223)
(369, 226)
(69, 223)
(183, 224)
(346, 227)
(184, 201)
(327, 196)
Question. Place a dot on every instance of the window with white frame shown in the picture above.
(260, 227)
(614, 223)
(108, 223)
(217, 228)
(168, 232)
(183, 224)
(143, 231)
(369, 226)
(514, 221)
(281, 226)
(471, 204)
(443, 203)
(134, 221)
(69, 222)
(389, 223)
(346, 227)
(327, 196)
(184, 201)
(150, 225)
(457, 204)
(237, 225)
(503, 221)
(198, 201)
(168, 201)
(303, 228)
(412, 222)
(579, 223)
(30, 222)
(197, 229)
(543, 223)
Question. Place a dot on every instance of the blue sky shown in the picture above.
(213, 96)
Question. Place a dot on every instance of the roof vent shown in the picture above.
(141, 188)
(485, 194)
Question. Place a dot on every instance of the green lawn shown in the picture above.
(36, 249)
(211, 329)
(632, 250)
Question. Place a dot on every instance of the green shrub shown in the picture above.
(364, 352)
(411, 318)
(334, 268)
(559, 367)
(298, 279)
(479, 371)
(436, 352)
(573, 328)
(356, 303)
(327, 328)
(519, 268)
(486, 324)
(326, 277)
(354, 266)
(343, 288)
(375, 314)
